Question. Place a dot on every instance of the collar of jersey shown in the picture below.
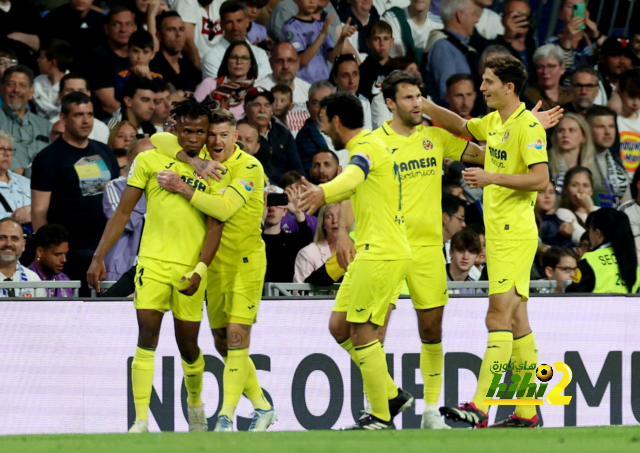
(357, 138)
(389, 130)
(515, 114)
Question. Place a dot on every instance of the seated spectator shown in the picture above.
(629, 120)
(489, 25)
(277, 153)
(121, 135)
(237, 74)
(109, 59)
(69, 177)
(54, 62)
(549, 64)
(234, 22)
(202, 27)
(612, 181)
(248, 134)
(315, 255)
(15, 118)
(285, 63)
(282, 103)
(611, 266)
(584, 91)
(311, 39)
(452, 220)
(361, 13)
(138, 104)
(286, 9)
(56, 131)
(576, 201)
(345, 74)
(8, 59)
(15, 190)
(519, 35)
(559, 264)
(20, 24)
(571, 146)
(481, 261)
(12, 244)
(632, 209)
(373, 70)
(453, 186)
(162, 105)
(465, 248)
(140, 52)
(614, 59)
(78, 24)
(52, 246)
(419, 21)
(257, 33)
(289, 222)
(584, 247)
(551, 229)
(325, 166)
(310, 139)
(176, 69)
(282, 247)
(123, 253)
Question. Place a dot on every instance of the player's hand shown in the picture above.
(345, 249)
(208, 168)
(326, 26)
(97, 273)
(477, 177)
(548, 118)
(348, 30)
(311, 197)
(566, 229)
(170, 181)
(192, 287)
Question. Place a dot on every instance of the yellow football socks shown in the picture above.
(392, 388)
(373, 365)
(253, 390)
(193, 380)
(498, 350)
(524, 350)
(142, 381)
(234, 379)
(431, 362)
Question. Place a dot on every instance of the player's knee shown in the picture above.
(431, 333)
(498, 320)
(338, 332)
(148, 338)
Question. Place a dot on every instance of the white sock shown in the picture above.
(430, 408)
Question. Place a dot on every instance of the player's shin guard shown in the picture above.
(498, 350)
(193, 380)
(142, 381)
(253, 390)
(524, 350)
(431, 362)
(373, 365)
(234, 379)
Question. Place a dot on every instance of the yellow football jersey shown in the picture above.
(512, 148)
(377, 202)
(419, 158)
(174, 230)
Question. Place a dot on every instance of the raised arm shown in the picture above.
(339, 189)
(307, 55)
(448, 120)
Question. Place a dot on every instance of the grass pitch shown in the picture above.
(549, 440)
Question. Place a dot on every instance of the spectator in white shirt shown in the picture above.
(490, 24)
(202, 25)
(15, 190)
(54, 62)
(12, 245)
(421, 22)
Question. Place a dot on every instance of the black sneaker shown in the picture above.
(400, 403)
(371, 423)
(467, 413)
(513, 421)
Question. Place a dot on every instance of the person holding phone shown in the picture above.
(518, 37)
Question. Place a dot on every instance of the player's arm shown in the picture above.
(448, 120)
(115, 226)
(535, 181)
(339, 189)
(473, 154)
(209, 250)
(345, 249)
(168, 145)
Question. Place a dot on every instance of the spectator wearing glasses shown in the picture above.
(559, 264)
(549, 64)
(237, 74)
(52, 246)
(345, 74)
(15, 191)
(29, 131)
(12, 245)
(452, 220)
(584, 90)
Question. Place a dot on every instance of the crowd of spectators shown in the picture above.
(85, 83)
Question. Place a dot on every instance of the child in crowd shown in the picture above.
(283, 102)
(629, 120)
(140, 55)
(54, 62)
(373, 70)
(256, 33)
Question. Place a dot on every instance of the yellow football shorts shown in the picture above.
(426, 280)
(509, 264)
(368, 288)
(234, 296)
(157, 284)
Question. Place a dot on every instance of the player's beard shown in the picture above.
(408, 119)
(335, 138)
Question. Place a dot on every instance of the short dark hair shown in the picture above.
(506, 2)
(391, 82)
(345, 106)
(71, 76)
(51, 234)
(451, 204)
(75, 97)
(378, 26)
(455, 78)
(466, 239)
(232, 6)
(223, 70)
(554, 254)
(165, 15)
(584, 69)
(135, 83)
(401, 63)
(290, 177)
(141, 39)
(339, 61)
(117, 10)
(191, 109)
(509, 70)
(61, 51)
(449, 182)
(256, 3)
(323, 151)
(8, 53)
(598, 110)
(221, 116)
(161, 85)
(477, 227)
(630, 82)
(282, 89)
(22, 69)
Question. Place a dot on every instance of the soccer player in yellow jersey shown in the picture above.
(372, 281)
(515, 170)
(236, 275)
(171, 252)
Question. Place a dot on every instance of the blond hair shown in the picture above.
(6, 136)
(321, 234)
(116, 129)
(587, 150)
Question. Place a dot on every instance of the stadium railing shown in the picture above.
(73, 284)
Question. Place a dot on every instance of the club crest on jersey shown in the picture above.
(537, 144)
(196, 175)
(426, 144)
(505, 137)
(222, 191)
(249, 186)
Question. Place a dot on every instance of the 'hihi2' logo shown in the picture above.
(527, 393)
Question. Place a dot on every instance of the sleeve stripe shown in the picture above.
(470, 133)
(135, 187)
(538, 163)
(231, 187)
(464, 151)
